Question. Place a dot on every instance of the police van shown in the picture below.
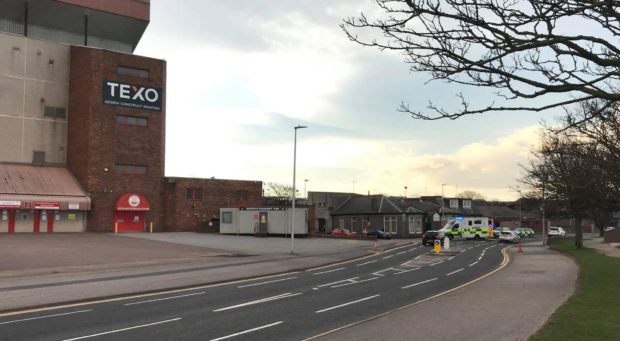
(469, 228)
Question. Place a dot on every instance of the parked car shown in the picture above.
(339, 231)
(498, 231)
(556, 232)
(429, 237)
(532, 233)
(509, 237)
(380, 234)
(524, 232)
(609, 228)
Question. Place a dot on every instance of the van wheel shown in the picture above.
(477, 237)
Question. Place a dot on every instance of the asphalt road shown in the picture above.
(284, 307)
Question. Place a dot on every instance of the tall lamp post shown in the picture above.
(441, 220)
(293, 208)
(305, 192)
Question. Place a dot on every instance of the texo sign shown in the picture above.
(131, 96)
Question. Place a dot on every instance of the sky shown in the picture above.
(241, 74)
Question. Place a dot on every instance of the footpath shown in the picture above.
(43, 270)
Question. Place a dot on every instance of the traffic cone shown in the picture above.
(375, 248)
(520, 248)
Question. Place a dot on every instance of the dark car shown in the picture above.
(380, 234)
(429, 237)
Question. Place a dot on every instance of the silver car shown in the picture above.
(509, 237)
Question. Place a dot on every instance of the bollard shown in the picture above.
(151, 228)
(116, 227)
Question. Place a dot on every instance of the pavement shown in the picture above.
(597, 243)
(41, 270)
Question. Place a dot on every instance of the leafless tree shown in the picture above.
(469, 194)
(280, 191)
(523, 49)
(575, 176)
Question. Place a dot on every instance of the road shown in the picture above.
(291, 306)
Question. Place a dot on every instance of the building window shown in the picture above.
(466, 203)
(131, 169)
(389, 224)
(55, 112)
(38, 156)
(415, 224)
(454, 203)
(193, 194)
(242, 195)
(132, 121)
(130, 71)
(226, 217)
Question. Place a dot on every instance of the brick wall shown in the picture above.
(96, 142)
(182, 214)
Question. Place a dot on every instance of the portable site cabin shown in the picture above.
(263, 221)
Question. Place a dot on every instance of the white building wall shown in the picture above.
(33, 74)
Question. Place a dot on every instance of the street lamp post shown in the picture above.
(293, 208)
(441, 220)
(305, 192)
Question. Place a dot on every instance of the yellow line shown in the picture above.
(504, 263)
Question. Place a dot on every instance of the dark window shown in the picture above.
(38, 156)
(129, 71)
(131, 169)
(133, 121)
(226, 217)
(55, 112)
(193, 194)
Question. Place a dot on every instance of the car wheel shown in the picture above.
(477, 237)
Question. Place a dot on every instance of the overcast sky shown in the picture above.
(242, 73)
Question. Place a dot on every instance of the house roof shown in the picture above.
(374, 204)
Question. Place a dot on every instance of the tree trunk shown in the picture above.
(578, 233)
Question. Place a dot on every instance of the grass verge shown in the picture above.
(593, 313)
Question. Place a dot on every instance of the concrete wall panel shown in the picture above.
(45, 135)
(42, 94)
(10, 139)
(47, 61)
(11, 96)
(12, 51)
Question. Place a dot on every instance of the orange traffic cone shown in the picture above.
(520, 248)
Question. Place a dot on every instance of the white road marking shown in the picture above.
(46, 316)
(395, 270)
(268, 282)
(411, 250)
(451, 258)
(436, 263)
(386, 257)
(418, 257)
(404, 271)
(262, 300)
(247, 331)
(355, 282)
(453, 272)
(346, 304)
(400, 253)
(474, 263)
(480, 258)
(332, 283)
(413, 285)
(123, 329)
(328, 271)
(372, 261)
(166, 298)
